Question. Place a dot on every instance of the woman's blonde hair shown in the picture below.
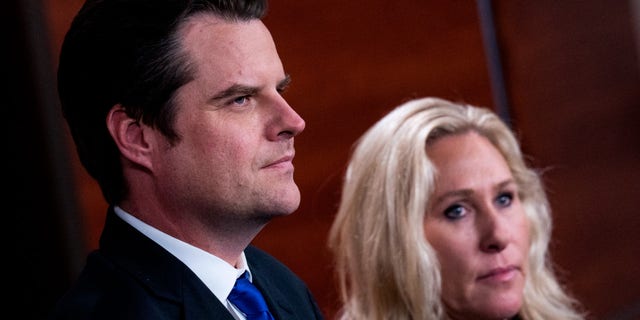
(385, 267)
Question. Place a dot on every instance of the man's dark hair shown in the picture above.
(127, 52)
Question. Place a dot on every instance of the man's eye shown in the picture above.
(454, 212)
(241, 100)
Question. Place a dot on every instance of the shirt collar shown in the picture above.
(218, 275)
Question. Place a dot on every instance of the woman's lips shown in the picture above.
(500, 274)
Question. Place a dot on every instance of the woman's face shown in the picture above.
(477, 226)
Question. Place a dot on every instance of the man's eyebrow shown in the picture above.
(284, 82)
(235, 90)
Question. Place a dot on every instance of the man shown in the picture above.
(176, 110)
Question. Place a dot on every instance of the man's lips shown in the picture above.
(284, 161)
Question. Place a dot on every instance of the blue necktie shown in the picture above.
(246, 297)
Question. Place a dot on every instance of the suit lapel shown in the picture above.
(200, 303)
(276, 300)
(270, 284)
(160, 271)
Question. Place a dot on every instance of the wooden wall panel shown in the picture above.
(573, 79)
(35, 187)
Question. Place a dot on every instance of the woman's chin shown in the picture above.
(493, 309)
(503, 309)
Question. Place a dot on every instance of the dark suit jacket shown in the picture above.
(132, 277)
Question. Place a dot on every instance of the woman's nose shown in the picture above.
(494, 230)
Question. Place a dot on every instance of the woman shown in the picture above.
(440, 218)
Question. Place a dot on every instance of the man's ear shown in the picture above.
(130, 136)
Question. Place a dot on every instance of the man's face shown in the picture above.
(234, 156)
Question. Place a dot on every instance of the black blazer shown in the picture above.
(132, 277)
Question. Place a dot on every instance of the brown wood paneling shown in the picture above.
(90, 201)
(36, 192)
(573, 79)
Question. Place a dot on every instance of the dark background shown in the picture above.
(565, 74)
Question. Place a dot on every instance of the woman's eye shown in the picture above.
(505, 199)
(454, 212)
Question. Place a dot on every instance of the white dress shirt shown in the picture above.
(218, 275)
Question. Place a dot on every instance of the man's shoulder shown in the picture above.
(281, 284)
(105, 291)
(258, 258)
(273, 272)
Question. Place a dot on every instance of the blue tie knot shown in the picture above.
(246, 297)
